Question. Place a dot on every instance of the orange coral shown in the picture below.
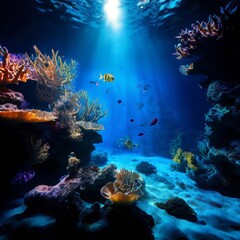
(12, 70)
(27, 115)
(126, 189)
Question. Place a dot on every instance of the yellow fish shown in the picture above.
(107, 77)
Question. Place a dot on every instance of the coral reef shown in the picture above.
(216, 45)
(48, 119)
(78, 216)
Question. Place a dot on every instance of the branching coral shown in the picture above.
(14, 69)
(89, 110)
(38, 151)
(53, 74)
(127, 188)
(66, 107)
(189, 39)
(211, 43)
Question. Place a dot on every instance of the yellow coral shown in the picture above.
(189, 157)
(178, 156)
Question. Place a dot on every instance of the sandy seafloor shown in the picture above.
(218, 215)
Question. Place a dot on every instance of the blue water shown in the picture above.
(149, 101)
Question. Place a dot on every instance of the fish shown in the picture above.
(140, 105)
(107, 77)
(129, 144)
(140, 134)
(136, 145)
(94, 82)
(131, 120)
(153, 122)
(119, 101)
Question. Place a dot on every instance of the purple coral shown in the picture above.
(23, 176)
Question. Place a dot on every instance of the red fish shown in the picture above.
(141, 134)
(153, 122)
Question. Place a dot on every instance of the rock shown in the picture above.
(178, 208)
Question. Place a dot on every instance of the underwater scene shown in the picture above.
(120, 119)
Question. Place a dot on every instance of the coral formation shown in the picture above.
(53, 73)
(73, 166)
(216, 45)
(51, 116)
(90, 111)
(38, 151)
(27, 115)
(13, 70)
(185, 161)
(126, 189)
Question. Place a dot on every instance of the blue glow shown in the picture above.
(113, 13)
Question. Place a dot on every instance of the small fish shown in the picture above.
(131, 120)
(119, 101)
(107, 77)
(140, 134)
(140, 105)
(94, 82)
(136, 145)
(153, 122)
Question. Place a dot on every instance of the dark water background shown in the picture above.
(146, 72)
